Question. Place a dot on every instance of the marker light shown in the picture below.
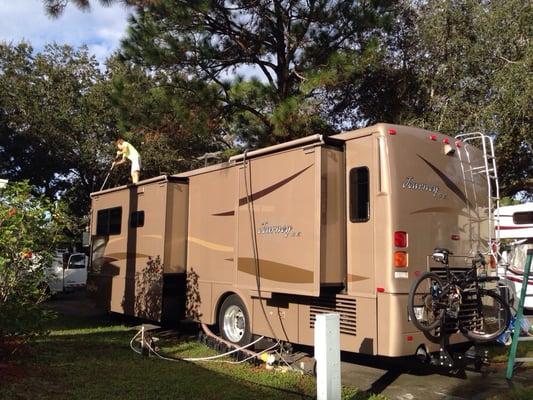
(400, 259)
(400, 239)
(455, 237)
(446, 140)
(380, 290)
(392, 131)
(433, 137)
(458, 144)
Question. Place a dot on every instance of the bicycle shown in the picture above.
(480, 314)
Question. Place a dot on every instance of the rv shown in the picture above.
(515, 227)
(265, 242)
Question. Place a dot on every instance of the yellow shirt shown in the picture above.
(129, 152)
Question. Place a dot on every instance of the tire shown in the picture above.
(234, 321)
(421, 298)
(493, 320)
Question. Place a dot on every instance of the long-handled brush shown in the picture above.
(107, 176)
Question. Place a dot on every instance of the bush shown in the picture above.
(29, 231)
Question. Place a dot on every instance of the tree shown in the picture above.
(447, 65)
(458, 66)
(30, 226)
(283, 43)
(472, 59)
(56, 125)
(171, 121)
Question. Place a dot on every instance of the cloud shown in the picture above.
(100, 29)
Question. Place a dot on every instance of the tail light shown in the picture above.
(400, 259)
(400, 239)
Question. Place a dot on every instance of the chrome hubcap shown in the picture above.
(234, 323)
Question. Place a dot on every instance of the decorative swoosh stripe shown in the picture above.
(210, 245)
(123, 256)
(448, 182)
(263, 192)
(449, 210)
(275, 271)
(224, 214)
(356, 278)
(270, 189)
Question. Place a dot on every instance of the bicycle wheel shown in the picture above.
(491, 318)
(422, 304)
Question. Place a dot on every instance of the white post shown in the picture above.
(328, 357)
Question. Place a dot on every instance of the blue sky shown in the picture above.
(100, 29)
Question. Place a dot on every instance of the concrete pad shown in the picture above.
(408, 380)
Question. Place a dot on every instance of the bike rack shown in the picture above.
(449, 360)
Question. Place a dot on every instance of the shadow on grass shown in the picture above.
(90, 358)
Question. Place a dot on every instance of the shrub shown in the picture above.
(29, 231)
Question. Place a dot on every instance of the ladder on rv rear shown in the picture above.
(518, 321)
(486, 168)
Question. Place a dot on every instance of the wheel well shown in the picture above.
(221, 300)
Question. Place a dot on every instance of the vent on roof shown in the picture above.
(345, 307)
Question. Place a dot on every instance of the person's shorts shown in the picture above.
(135, 165)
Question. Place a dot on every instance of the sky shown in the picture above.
(101, 29)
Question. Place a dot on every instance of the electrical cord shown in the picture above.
(249, 203)
(132, 339)
(209, 358)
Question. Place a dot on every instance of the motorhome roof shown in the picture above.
(161, 178)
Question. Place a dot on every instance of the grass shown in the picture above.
(500, 353)
(91, 359)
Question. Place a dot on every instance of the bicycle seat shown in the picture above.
(441, 255)
(442, 250)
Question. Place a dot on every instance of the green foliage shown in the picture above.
(468, 61)
(30, 228)
(207, 76)
(56, 124)
(284, 43)
(170, 122)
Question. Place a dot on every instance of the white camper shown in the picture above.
(515, 223)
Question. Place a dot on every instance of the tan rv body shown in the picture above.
(280, 226)
(132, 266)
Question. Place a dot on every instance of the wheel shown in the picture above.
(425, 292)
(234, 322)
(491, 320)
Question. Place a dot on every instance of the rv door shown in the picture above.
(360, 178)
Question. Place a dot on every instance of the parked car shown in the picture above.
(67, 272)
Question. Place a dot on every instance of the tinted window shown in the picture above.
(525, 217)
(108, 221)
(137, 219)
(359, 194)
(77, 261)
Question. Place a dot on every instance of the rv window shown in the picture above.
(359, 194)
(521, 218)
(108, 221)
(137, 219)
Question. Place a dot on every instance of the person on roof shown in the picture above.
(127, 151)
